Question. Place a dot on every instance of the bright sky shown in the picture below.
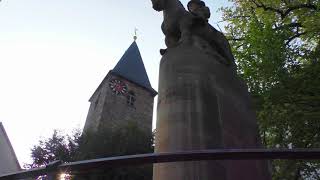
(54, 54)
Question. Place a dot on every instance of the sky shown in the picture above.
(55, 53)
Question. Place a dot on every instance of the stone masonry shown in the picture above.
(110, 109)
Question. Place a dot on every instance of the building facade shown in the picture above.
(8, 160)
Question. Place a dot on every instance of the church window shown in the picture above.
(131, 98)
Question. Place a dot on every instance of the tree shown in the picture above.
(116, 141)
(125, 140)
(276, 44)
(57, 147)
(271, 36)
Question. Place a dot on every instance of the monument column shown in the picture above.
(202, 104)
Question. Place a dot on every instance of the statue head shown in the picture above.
(199, 9)
(158, 5)
(195, 4)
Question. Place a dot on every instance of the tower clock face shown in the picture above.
(118, 87)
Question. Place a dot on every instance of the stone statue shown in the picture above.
(202, 103)
(181, 26)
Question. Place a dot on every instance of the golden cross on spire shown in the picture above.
(135, 37)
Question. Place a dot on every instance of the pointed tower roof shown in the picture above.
(131, 67)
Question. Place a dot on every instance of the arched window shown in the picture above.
(131, 98)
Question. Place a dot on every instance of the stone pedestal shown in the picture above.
(202, 104)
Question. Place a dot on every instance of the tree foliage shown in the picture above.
(124, 140)
(57, 147)
(276, 44)
(269, 37)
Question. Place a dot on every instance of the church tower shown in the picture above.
(124, 95)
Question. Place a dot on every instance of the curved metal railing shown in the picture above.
(140, 159)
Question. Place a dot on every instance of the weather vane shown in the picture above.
(135, 37)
